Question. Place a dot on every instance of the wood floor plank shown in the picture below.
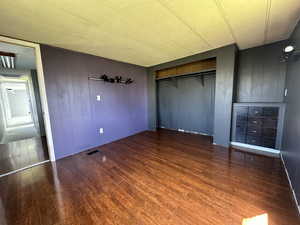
(19, 154)
(154, 178)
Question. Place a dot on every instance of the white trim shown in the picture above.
(256, 149)
(290, 183)
(24, 168)
(42, 89)
(185, 131)
(192, 132)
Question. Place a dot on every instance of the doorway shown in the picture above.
(23, 140)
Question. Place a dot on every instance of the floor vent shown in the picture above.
(92, 152)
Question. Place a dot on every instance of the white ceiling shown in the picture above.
(148, 32)
(25, 56)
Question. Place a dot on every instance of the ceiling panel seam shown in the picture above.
(267, 20)
(225, 18)
(132, 37)
(185, 23)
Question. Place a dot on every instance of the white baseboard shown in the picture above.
(290, 183)
(186, 131)
(256, 149)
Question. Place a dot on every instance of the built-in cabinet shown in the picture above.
(258, 124)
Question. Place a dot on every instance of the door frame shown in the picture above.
(42, 89)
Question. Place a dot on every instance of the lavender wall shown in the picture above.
(75, 114)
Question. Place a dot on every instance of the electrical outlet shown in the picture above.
(101, 130)
(98, 98)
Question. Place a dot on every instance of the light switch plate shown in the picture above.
(285, 92)
(101, 130)
(98, 98)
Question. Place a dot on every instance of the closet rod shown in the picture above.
(196, 74)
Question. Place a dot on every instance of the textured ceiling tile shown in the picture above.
(156, 22)
(247, 19)
(204, 18)
(146, 32)
(282, 23)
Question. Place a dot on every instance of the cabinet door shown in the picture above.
(252, 140)
(255, 111)
(254, 131)
(268, 142)
(270, 123)
(253, 121)
(269, 132)
(241, 123)
(256, 125)
(270, 111)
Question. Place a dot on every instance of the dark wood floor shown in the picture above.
(18, 154)
(160, 177)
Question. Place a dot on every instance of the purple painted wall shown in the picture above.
(75, 114)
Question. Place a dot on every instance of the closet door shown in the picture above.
(187, 103)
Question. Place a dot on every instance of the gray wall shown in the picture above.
(226, 58)
(2, 125)
(75, 114)
(35, 85)
(291, 138)
(261, 76)
(187, 103)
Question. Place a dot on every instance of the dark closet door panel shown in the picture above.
(187, 103)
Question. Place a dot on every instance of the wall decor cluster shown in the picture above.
(116, 79)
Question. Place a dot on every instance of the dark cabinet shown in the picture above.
(255, 111)
(256, 125)
(253, 140)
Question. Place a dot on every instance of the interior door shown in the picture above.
(17, 104)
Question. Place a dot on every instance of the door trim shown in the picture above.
(42, 89)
